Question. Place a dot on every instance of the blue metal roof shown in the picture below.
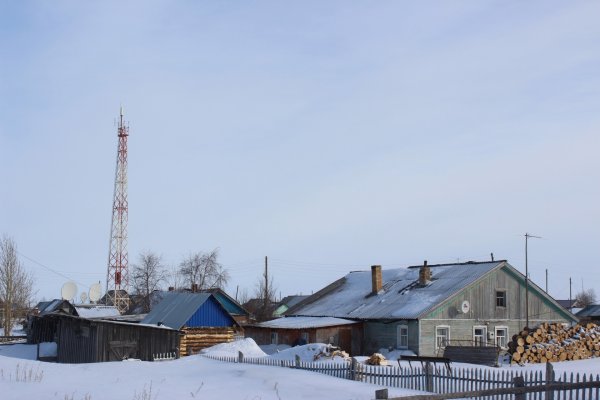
(177, 310)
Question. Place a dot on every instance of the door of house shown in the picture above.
(345, 340)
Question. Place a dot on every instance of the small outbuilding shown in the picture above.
(294, 331)
(202, 320)
(590, 313)
(82, 340)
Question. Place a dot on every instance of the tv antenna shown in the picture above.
(527, 236)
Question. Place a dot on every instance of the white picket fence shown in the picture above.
(437, 379)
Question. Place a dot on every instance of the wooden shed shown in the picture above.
(202, 320)
(81, 340)
(294, 331)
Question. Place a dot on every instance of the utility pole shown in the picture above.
(527, 236)
(570, 298)
(266, 295)
(546, 280)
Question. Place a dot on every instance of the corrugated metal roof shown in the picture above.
(175, 309)
(304, 322)
(400, 298)
(97, 311)
(592, 310)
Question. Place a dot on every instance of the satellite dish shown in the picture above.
(95, 292)
(68, 291)
(83, 297)
(465, 306)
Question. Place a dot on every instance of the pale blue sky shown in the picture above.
(327, 135)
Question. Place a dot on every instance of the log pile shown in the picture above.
(552, 342)
(196, 339)
(376, 359)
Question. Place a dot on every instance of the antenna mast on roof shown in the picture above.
(527, 236)
(117, 277)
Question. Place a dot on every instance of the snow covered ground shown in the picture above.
(195, 377)
(187, 378)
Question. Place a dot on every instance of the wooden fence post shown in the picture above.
(519, 382)
(549, 379)
(381, 394)
(428, 377)
(352, 374)
(240, 357)
(297, 361)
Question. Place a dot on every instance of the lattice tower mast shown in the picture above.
(117, 278)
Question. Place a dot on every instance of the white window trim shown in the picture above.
(436, 335)
(496, 335)
(484, 336)
(398, 336)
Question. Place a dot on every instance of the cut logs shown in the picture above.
(376, 359)
(551, 342)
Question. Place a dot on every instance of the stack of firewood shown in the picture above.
(555, 342)
(376, 359)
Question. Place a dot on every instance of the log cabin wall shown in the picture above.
(195, 339)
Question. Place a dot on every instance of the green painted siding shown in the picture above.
(379, 335)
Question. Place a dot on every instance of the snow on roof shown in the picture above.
(97, 311)
(304, 322)
(400, 298)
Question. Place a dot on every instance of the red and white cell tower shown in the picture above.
(117, 278)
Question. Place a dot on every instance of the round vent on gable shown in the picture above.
(465, 307)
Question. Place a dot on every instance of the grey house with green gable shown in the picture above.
(424, 308)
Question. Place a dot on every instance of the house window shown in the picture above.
(501, 336)
(500, 298)
(274, 338)
(304, 337)
(479, 335)
(402, 337)
(442, 337)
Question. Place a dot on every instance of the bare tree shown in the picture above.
(585, 298)
(16, 284)
(148, 274)
(204, 270)
(266, 292)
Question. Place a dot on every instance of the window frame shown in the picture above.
(400, 336)
(438, 345)
(484, 339)
(504, 298)
(505, 329)
(274, 337)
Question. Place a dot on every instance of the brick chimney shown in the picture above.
(376, 280)
(194, 287)
(424, 274)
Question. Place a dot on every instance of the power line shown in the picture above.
(50, 269)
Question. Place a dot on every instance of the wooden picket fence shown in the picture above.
(164, 356)
(441, 380)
